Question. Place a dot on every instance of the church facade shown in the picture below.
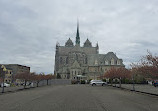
(73, 61)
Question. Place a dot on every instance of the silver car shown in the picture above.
(97, 82)
(5, 85)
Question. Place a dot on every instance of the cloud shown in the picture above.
(29, 29)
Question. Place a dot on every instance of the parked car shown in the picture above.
(155, 83)
(97, 82)
(5, 85)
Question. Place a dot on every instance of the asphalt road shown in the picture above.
(77, 98)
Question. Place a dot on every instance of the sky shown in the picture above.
(30, 29)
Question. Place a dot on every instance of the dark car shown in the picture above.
(155, 83)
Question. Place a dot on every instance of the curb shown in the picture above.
(135, 91)
(147, 93)
(20, 89)
(17, 90)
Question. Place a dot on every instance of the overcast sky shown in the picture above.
(29, 29)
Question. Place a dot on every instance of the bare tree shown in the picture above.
(148, 66)
(25, 76)
(48, 77)
(117, 73)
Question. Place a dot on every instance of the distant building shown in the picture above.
(74, 61)
(17, 69)
(7, 75)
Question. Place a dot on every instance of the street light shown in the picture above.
(133, 83)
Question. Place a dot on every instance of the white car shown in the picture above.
(97, 82)
(5, 85)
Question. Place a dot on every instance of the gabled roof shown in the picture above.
(87, 43)
(110, 55)
(99, 59)
(93, 57)
(75, 64)
(69, 43)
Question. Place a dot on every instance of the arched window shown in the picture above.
(76, 57)
(112, 61)
(61, 60)
(106, 62)
(86, 60)
(67, 60)
(118, 62)
(96, 62)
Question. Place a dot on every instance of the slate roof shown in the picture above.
(101, 58)
(69, 43)
(87, 43)
(110, 55)
(93, 57)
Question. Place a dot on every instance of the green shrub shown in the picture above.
(83, 81)
(110, 80)
(116, 81)
(12, 85)
(89, 81)
(126, 81)
(104, 80)
(73, 82)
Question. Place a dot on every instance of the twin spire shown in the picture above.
(87, 43)
(69, 42)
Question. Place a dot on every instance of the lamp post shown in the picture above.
(2, 75)
(133, 83)
(120, 82)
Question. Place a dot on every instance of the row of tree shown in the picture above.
(146, 68)
(33, 77)
(117, 74)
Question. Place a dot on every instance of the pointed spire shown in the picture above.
(69, 43)
(97, 46)
(57, 44)
(77, 34)
(87, 43)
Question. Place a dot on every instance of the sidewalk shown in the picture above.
(41, 83)
(146, 88)
(14, 89)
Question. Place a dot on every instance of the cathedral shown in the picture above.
(77, 62)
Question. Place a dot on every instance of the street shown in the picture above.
(77, 98)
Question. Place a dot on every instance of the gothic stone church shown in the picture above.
(73, 61)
